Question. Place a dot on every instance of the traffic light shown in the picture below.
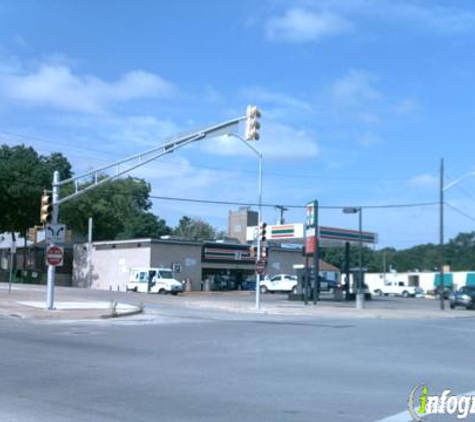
(263, 232)
(252, 124)
(33, 234)
(46, 208)
(264, 252)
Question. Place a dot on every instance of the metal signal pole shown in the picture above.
(441, 240)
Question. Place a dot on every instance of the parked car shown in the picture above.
(327, 285)
(465, 296)
(249, 283)
(279, 283)
(436, 292)
(352, 290)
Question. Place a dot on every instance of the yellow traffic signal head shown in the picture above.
(252, 123)
(46, 208)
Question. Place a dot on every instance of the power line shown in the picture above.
(460, 212)
(250, 204)
(469, 194)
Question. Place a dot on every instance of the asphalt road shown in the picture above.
(190, 365)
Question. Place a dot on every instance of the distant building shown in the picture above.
(29, 264)
(239, 221)
(226, 266)
(427, 280)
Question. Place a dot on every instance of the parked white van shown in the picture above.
(153, 280)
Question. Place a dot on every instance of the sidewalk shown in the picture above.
(29, 302)
(323, 309)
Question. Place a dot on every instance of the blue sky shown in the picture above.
(360, 101)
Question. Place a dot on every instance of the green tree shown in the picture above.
(119, 209)
(144, 224)
(194, 229)
(460, 252)
(24, 174)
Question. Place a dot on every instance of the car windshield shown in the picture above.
(166, 274)
(468, 289)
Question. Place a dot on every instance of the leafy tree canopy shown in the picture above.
(119, 209)
(24, 174)
(195, 229)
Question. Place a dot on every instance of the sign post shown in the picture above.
(12, 260)
(312, 222)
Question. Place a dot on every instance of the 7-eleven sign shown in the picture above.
(312, 214)
(283, 231)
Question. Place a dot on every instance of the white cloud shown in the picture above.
(406, 107)
(57, 86)
(427, 16)
(369, 139)
(144, 130)
(424, 181)
(175, 176)
(278, 142)
(355, 89)
(300, 26)
(263, 96)
(438, 18)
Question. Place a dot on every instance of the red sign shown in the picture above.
(260, 266)
(54, 256)
(310, 241)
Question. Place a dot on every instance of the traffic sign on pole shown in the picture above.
(55, 256)
(55, 233)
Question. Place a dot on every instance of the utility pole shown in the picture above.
(316, 258)
(89, 254)
(282, 209)
(441, 240)
(54, 220)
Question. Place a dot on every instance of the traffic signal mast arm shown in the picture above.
(123, 167)
(139, 160)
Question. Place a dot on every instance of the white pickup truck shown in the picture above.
(397, 288)
(279, 283)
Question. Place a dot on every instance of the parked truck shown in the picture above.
(153, 280)
(397, 288)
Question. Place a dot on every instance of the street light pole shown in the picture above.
(441, 226)
(259, 219)
(259, 212)
(360, 291)
(441, 240)
(51, 268)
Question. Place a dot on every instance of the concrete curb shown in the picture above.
(114, 314)
(325, 312)
(30, 310)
